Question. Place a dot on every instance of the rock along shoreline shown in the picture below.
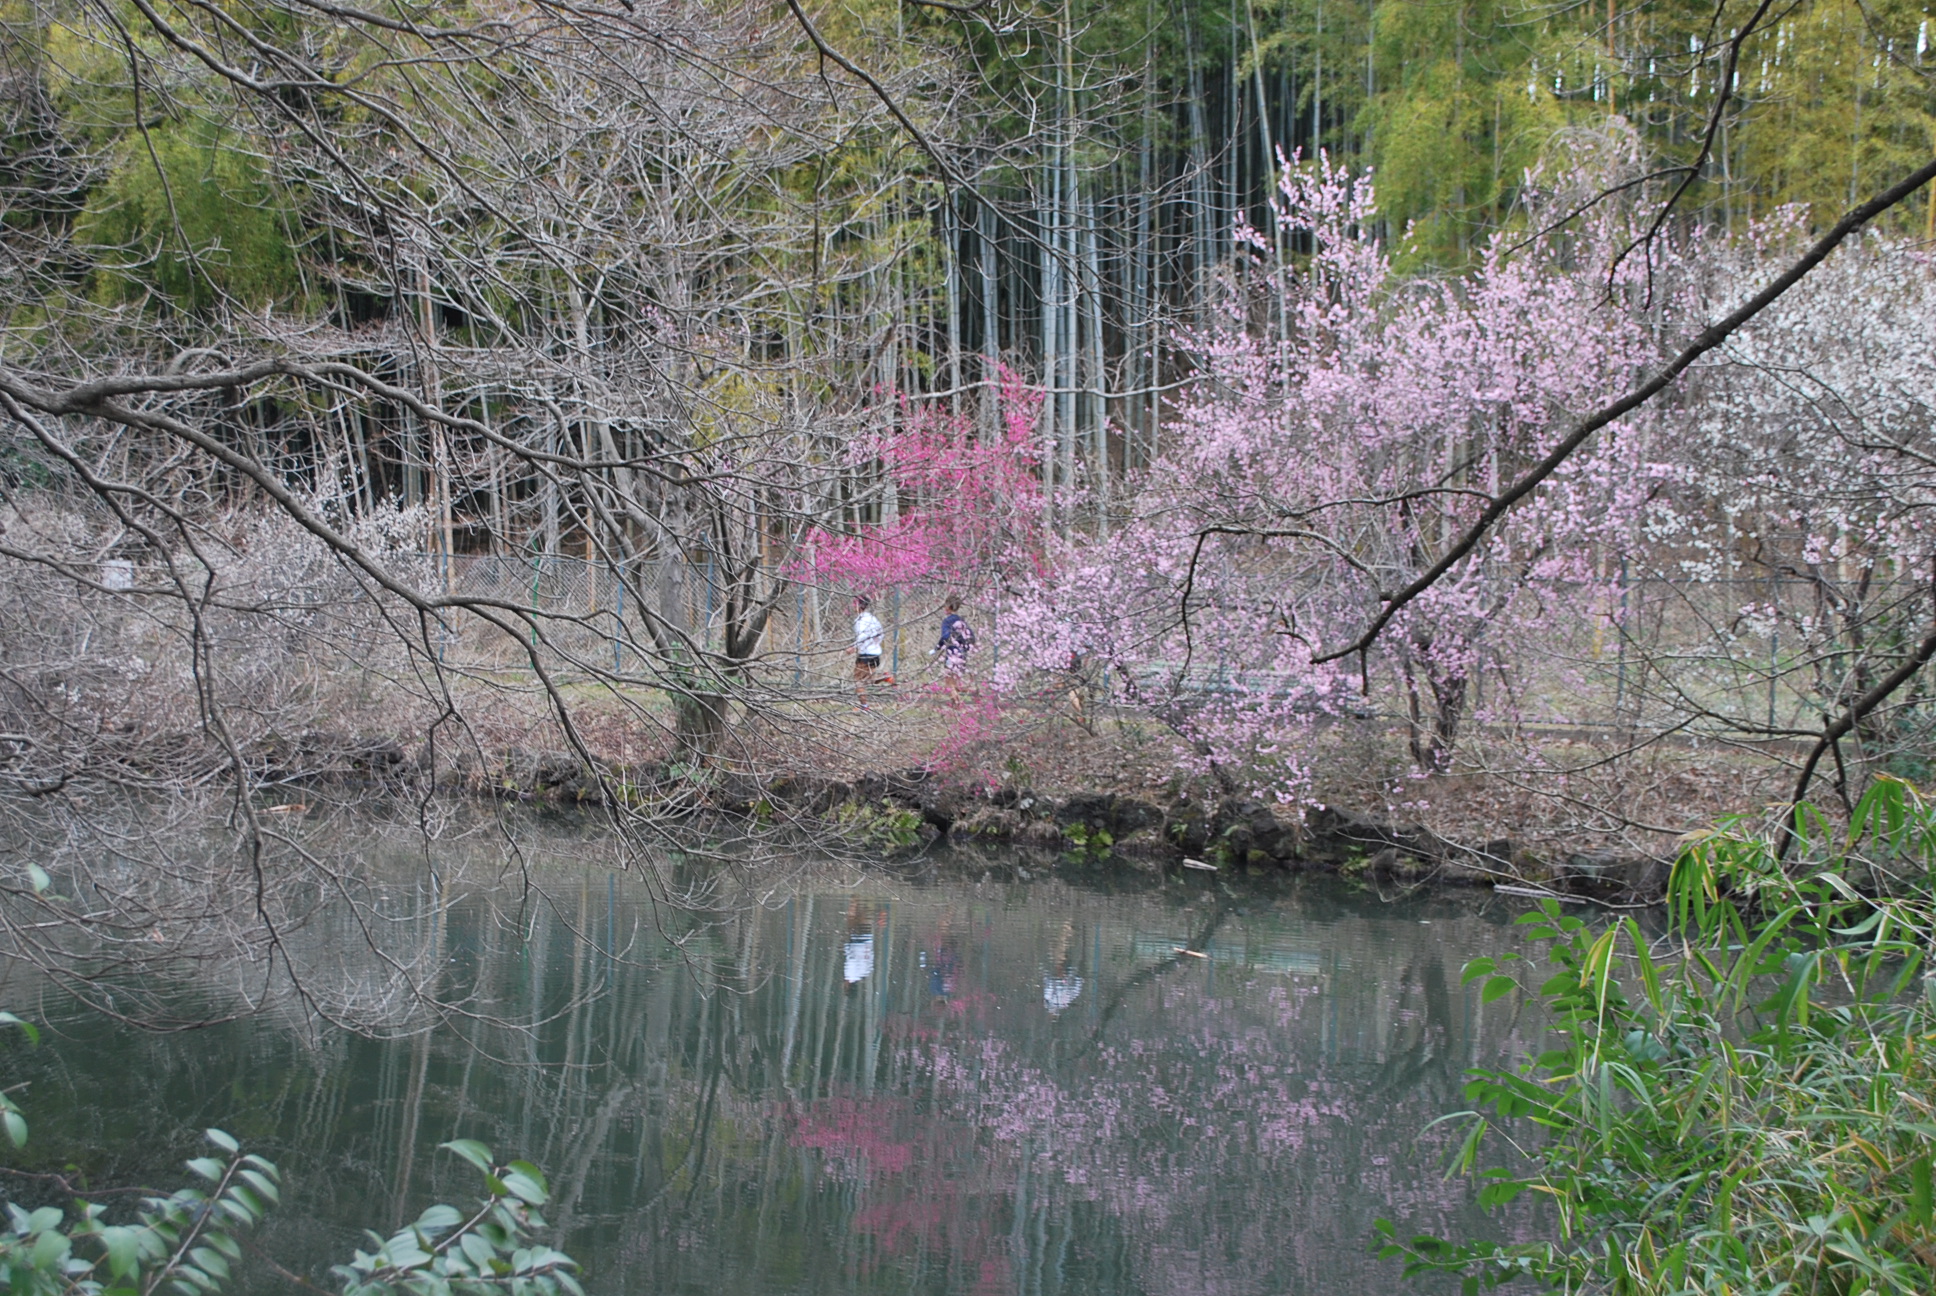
(905, 811)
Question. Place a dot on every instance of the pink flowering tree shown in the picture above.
(965, 508)
(1344, 425)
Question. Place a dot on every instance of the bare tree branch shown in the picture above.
(1706, 341)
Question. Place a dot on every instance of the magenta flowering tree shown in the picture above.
(959, 507)
(1344, 425)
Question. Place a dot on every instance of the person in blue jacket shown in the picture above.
(957, 637)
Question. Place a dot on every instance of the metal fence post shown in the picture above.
(1620, 679)
(995, 631)
(706, 635)
(618, 618)
(443, 617)
(537, 574)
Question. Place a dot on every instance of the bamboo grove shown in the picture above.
(547, 198)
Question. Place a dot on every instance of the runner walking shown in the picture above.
(867, 648)
(957, 638)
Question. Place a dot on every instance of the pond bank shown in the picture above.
(903, 810)
(1229, 834)
(907, 809)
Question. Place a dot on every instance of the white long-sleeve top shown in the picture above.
(867, 635)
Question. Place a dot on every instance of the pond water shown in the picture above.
(951, 1084)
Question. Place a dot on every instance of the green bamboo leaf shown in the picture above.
(1649, 974)
(1747, 965)
(1790, 1003)
(1468, 1154)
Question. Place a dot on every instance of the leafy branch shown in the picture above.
(186, 1244)
(1746, 1105)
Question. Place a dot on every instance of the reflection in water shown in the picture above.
(858, 961)
(945, 1088)
(1062, 986)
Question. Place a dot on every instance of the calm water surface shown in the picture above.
(950, 1085)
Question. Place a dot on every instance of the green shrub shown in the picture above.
(880, 827)
(1747, 1105)
(1090, 843)
(191, 214)
(186, 1243)
(488, 1250)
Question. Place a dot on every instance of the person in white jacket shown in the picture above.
(867, 648)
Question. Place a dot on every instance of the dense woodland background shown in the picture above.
(707, 186)
(385, 373)
(1513, 420)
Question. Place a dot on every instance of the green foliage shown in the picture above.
(1745, 1106)
(10, 1113)
(1450, 104)
(183, 1243)
(190, 213)
(1843, 106)
(186, 1243)
(489, 1250)
(1456, 102)
(1457, 123)
(881, 827)
(1090, 842)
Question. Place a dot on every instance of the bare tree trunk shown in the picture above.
(991, 319)
(1098, 379)
(951, 268)
(1051, 296)
(1199, 215)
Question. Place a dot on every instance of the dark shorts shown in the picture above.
(864, 666)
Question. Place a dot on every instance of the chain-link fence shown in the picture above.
(587, 613)
(1752, 653)
(1642, 653)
